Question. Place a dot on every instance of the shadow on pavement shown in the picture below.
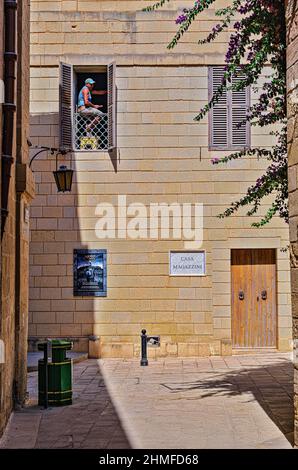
(270, 385)
(91, 422)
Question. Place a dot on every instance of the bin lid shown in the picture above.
(56, 344)
(61, 344)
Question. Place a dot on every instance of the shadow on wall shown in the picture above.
(45, 131)
(57, 223)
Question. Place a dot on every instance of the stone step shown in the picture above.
(253, 351)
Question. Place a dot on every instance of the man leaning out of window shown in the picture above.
(85, 106)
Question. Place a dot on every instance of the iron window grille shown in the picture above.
(94, 139)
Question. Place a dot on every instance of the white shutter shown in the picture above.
(66, 106)
(224, 117)
(112, 106)
(219, 112)
(239, 108)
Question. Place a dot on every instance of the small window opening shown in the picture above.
(91, 123)
(84, 127)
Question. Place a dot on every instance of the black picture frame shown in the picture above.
(90, 273)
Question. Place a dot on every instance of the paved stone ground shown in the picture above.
(230, 402)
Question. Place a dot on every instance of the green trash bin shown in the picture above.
(59, 375)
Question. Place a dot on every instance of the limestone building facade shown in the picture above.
(17, 191)
(149, 151)
(292, 84)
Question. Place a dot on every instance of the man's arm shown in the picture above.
(99, 92)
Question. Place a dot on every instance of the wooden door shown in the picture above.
(253, 298)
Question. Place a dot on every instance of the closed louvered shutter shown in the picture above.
(239, 108)
(66, 106)
(227, 114)
(219, 112)
(112, 106)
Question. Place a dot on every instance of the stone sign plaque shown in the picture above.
(187, 263)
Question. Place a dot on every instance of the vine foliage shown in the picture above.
(258, 37)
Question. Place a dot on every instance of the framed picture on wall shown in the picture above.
(90, 273)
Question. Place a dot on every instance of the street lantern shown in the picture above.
(63, 178)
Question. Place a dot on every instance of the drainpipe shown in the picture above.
(9, 106)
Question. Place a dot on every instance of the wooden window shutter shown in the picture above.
(218, 117)
(112, 106)
(227, 114)
(239, 107)
(66, 106)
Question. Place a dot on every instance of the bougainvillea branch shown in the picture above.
(258, 38)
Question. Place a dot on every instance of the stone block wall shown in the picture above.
(162, 156)
(292, 88)
(15, 241)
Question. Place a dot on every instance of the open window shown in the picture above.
(81, 130)
(228, 128)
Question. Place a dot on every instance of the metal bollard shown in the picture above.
(144, 360)
(46, 359)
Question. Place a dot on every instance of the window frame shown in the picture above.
(111, 104)
(229, 146)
